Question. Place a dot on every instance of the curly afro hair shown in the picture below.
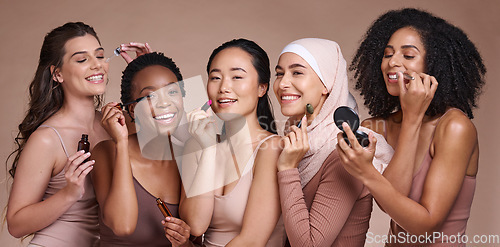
(450, 57)
(140, 63)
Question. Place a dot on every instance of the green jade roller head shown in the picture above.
(309, 110)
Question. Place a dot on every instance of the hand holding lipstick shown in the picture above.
(202, 127)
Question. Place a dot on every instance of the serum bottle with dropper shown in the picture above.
(84, 144)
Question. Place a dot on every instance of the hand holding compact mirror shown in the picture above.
(348, 115)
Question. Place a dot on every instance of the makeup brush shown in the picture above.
(406, 76)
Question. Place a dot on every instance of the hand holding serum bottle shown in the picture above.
(84, 144)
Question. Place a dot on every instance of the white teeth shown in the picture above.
(227, 100)
(94, 78)
(393, 76)
(166, 116)
(289, 97)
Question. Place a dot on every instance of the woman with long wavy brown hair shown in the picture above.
(51, 195)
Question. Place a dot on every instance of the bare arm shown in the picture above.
(198, 173)
(113, 179)
(197, 205)
(455, 143)
(263, 209)
(415, 98)
(26, 212)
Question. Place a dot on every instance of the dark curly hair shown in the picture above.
(450, 57)
(142, 62)
(260, 62)
(46, 96)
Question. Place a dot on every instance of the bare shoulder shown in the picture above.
(272, 145)
(455, 125)
(43, 150)
(45, 137)
(44, 141)
(268, 154)
(376, 124)
(103, 147)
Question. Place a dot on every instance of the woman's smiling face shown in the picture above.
(404, 51)
(84, 70)
(162, 102)
(297, 85)
(233, 83)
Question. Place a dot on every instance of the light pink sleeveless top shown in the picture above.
(76, 227)
(229, 209)
(456, 222)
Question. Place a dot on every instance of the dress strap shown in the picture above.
(58, 135)
(252, 159)
(385, 129)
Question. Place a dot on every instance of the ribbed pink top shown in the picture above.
(333, 209)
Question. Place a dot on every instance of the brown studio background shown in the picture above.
(189, 30)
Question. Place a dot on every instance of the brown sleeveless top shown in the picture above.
(148, 231)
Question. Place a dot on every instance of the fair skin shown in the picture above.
(82, 75)
(451, 142)
(234, 88)
(120, 159)
(297, 85)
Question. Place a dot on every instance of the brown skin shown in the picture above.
(120, 160)
(452, 144)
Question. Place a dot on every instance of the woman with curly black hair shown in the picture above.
(428, 186)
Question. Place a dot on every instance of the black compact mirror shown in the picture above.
(348, 115)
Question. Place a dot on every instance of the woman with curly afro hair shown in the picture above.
(420, 78)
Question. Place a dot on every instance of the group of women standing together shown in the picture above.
(420, 78)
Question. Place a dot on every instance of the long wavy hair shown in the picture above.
(450, 57)
(46, 96)
(261, 63)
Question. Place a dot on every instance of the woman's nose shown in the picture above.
(225, 86)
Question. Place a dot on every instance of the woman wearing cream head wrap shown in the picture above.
(322, 204)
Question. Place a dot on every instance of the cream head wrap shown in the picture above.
(325, 58)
